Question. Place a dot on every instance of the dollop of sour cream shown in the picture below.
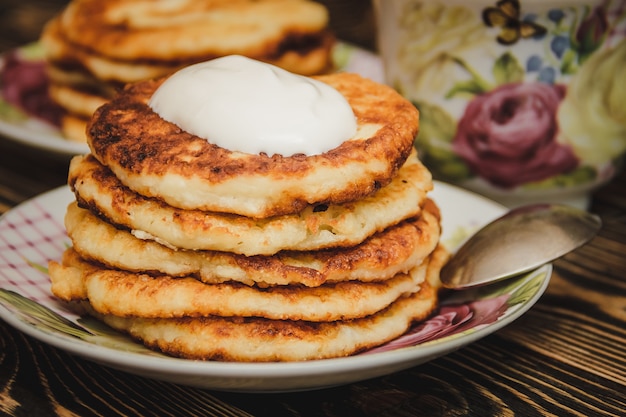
(248, 106)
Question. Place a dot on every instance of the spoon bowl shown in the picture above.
(521, 240)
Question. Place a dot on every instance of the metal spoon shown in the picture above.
(520, 241)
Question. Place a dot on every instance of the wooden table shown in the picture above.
(566, 356)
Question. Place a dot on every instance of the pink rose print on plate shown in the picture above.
(508, 136)
(451, 319)
(24, 84)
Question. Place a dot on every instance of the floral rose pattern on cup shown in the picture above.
(593, 114)
(508, 135)
(535, 103)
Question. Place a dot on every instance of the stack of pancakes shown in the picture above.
(95, 47)
(207, 253)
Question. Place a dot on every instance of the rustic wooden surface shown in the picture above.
(566, 356)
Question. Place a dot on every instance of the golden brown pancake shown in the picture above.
(79, 94)
(264, 340)
(128, 294)
(73, 127)
(80, 80)
(394, 250)
(157, 159)
(261, 340)
(316, 227)
(112, 43)
(186, 29)
(116, 73)
(77, 102)
(72, 58)
(438, 258)
(130, 40)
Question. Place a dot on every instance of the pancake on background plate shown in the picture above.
(95, 47)
(210, 253)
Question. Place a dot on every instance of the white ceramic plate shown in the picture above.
(32, 132)
(19, 127)
(22, 128)
(33, 233)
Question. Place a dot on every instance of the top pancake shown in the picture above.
(157, 159)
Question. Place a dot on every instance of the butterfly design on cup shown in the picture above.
(506, 16)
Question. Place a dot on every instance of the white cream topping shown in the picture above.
(248, 106)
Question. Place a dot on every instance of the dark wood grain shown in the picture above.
(21, 21)
(565, 357)
(41, 381)
(27, 172)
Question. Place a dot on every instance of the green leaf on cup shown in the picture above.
(507, 69)
(569, 62)
(474, 86)
(580, 175)
(434, 143)
(470, 87)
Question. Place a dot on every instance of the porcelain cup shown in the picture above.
(521, 101)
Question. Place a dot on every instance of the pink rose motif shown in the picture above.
(508, 136)
(24, 84)
(449, 320)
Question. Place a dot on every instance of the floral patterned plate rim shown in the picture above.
(33, 233)
(20, 127)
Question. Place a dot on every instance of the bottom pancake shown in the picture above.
(257, 339)
(263, 340)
